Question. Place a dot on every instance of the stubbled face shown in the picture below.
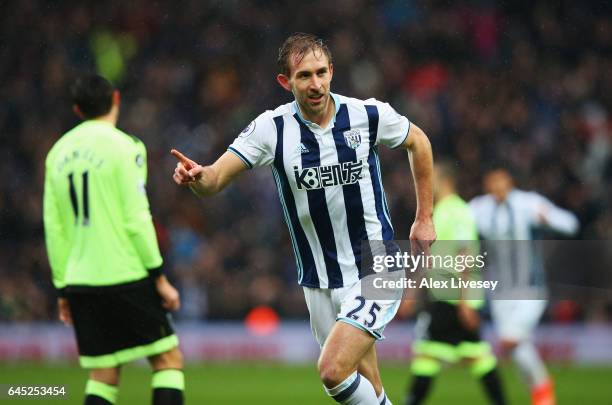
(498, 183)
(310, 80)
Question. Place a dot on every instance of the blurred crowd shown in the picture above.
(526, 84)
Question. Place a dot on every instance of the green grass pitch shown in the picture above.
(257, 383)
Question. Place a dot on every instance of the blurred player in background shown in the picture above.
(506, 213)
(323, 152)
(103, 250)
(448, 329)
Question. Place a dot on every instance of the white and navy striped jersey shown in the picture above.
(519, 265)
(328, 180)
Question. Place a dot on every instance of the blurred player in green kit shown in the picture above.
(448, 329)
(103, 250)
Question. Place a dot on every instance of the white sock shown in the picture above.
(528, 359)
(383, 399)
(355, 390)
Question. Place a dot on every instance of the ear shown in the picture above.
(283, 81)
(331, 71)
(77, 111)
(116, 98)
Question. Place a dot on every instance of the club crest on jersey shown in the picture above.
(352, 138)
(340, 174)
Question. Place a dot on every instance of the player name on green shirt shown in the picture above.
(98, 226)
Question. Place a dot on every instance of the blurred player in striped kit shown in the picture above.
(448, 328)
(509, 214)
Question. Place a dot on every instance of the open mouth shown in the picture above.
(315, 99)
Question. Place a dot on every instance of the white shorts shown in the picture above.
(516, 319)
(346, 304)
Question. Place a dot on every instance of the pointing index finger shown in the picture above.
(188, 163)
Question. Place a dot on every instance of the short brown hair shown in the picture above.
(93, 94)
(299, 44)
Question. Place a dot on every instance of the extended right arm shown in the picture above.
(557, 219)
(253, 147)
(207, 180)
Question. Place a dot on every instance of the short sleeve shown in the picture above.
(535, 203)
(478, 208)
(392, 127)
(254, 145)
(475, 204)
(555, 218)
